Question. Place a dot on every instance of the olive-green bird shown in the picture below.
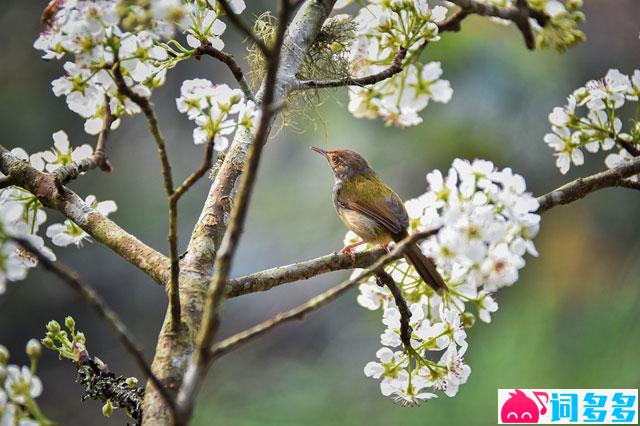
(371, 209)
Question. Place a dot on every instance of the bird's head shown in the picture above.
(345, 163)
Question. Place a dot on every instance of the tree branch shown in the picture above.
(243, 28)
(631, 184)
(394, 69)
(196, 175)
(233, 342)
(99, 156)
(103, 385)
(173, 352)
(104, 312)
(629, 147)
(267, 279)
(196, 373)
(53, 195)
(5, 182)
(579, 188)
(172, 237)
(231, 63)
(383, 279)
(519, 15)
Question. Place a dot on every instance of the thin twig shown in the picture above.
(196, 175)
(233, 342)
(519, 15)
(88, 294)
(244, 28)
(385, 280)
(231, 63)
(172, 237)
(452, 22)
(579, 188)
(629, 147)
(395, 68)
(99, 157)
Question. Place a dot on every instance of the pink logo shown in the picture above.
(519, 408)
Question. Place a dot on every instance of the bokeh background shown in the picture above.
(571, 321)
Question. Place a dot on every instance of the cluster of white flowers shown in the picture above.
(22, 214)
(19, 387)
(211, 107)
(91, 33)
(88, 32)
(486, 222)
(383, 28)
(600, 127)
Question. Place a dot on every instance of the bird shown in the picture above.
(368, 207)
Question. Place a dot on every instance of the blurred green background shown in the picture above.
(571, 321)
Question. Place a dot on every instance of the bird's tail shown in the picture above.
(425, 268)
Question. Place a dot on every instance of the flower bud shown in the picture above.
(47, 342)
(468, 319)
(107, 409)
(34, 348)
(53, 326)
(70, 323)
(4, 355)
(80, 338)
(132, 382)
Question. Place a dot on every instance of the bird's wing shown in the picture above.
(390, 213)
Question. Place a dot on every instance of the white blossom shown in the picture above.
(383, 27)
(486, 222)
(217, 111)
(599, 128)
(21, 385)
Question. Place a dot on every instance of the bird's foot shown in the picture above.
(349, 250)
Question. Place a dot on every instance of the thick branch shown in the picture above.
(231, 63)
(53, 195)
(98, 304)
(579, 188)
(395, 68)
(99, 157)
(173, 352)
(233, 342)
(216, 294)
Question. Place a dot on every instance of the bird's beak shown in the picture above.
(320, 151)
